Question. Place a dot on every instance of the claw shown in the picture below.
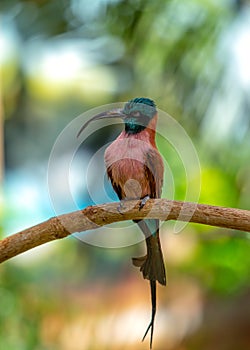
(120, 207)
(143, 202)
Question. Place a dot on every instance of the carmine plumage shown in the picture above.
(135, 169)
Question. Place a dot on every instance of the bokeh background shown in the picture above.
(61, 58)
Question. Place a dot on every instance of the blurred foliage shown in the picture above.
(62, 58)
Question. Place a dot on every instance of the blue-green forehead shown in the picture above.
(143, 105)
(145, 100)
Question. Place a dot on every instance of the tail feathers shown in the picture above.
(138, 262)
(152, 264)
(151, 324)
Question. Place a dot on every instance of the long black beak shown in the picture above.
(115, 113)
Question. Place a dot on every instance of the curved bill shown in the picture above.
(115, 113)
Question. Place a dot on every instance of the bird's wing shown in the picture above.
(116, 187)
(154, 169)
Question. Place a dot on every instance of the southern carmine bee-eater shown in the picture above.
(135, 169)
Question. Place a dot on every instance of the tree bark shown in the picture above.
(93, 217)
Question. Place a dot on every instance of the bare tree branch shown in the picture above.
(95, 216)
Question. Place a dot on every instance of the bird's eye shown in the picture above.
(136, 114)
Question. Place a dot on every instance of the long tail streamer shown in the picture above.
(151, 324)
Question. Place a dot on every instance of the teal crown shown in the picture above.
(143, 100)
(142, 104)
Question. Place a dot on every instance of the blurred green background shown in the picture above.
(63, 57)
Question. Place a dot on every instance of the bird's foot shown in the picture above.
(121, 206)
(143, 202)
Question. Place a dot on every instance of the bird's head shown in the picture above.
(136, 114)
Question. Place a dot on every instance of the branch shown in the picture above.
(93, 217)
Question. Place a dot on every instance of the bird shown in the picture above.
(135, 168)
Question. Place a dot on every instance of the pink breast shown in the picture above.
(126, 158)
